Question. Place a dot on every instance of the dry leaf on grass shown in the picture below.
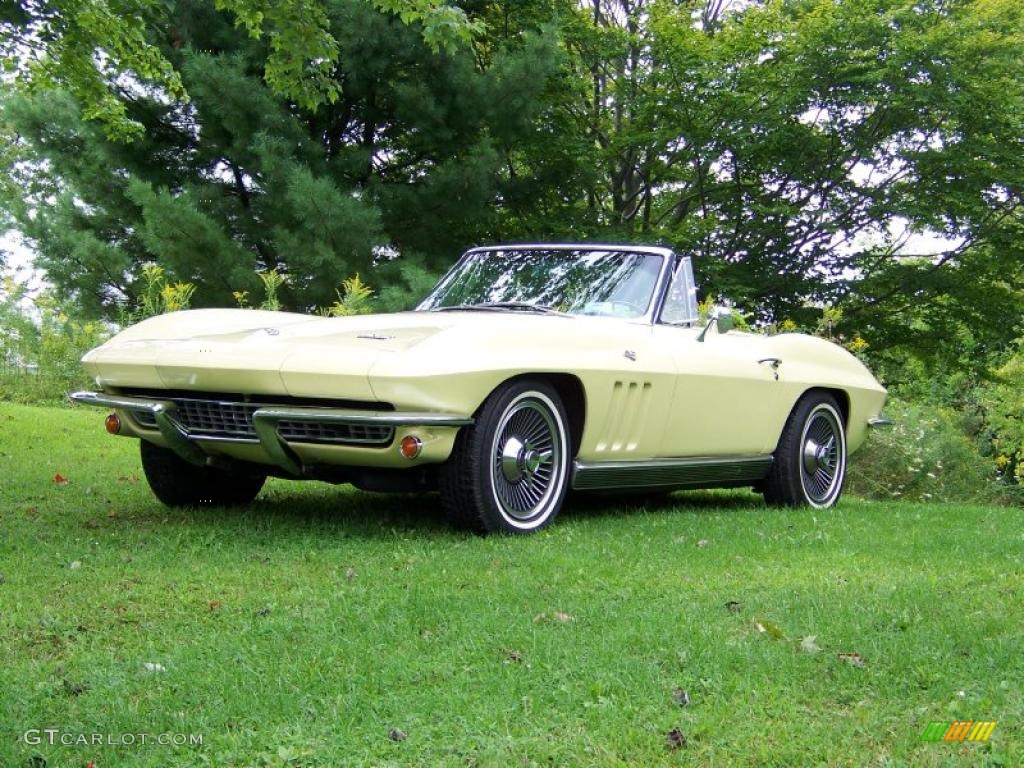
(512, 656)
(59, 479)
(853, 659)
(675, 739)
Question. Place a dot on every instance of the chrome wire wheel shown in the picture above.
(527, 460)
(822, 456)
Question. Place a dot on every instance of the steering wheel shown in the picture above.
(632, 309)
(611, 308)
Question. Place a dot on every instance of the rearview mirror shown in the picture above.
(722, 319)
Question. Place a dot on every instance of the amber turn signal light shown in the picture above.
(410, 446)
(112, 423)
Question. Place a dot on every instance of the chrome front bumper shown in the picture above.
(265, 422)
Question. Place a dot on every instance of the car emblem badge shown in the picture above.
(629, 354)
(272, 331)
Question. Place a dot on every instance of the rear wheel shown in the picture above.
(810, 461)
(177, 483)
(509, 471)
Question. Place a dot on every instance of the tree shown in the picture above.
(100, 49)
(240, 178)
(796, 146)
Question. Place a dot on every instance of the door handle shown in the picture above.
(774, 362)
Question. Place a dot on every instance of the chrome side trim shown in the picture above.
(690, 472)
(373, 418)
(879, 421)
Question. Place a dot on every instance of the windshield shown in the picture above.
(578, 282)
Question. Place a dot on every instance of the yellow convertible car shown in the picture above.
(527, 371)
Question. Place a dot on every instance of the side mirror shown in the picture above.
(722, 319)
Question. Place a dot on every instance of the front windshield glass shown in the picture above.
(578, 282)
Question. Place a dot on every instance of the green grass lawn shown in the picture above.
(301, 631)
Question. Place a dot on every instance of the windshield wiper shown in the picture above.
(500, 305)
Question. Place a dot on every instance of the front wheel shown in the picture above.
(509, 471)
(177, 483)
(810, 461)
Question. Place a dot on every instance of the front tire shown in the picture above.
(509, 471)
(177, 483)
(810, 462)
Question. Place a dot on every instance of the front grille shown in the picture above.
(318, 432)
(229, 420)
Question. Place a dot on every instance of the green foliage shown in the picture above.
(41, 343)
(303, 52)
(1003, 404)
(272, 281)
(90, 47)
(87, 46)
(406, 282)
(761, 137)
(796, 146)
(157, 296)
(240, 180)
(710, 304)
(929, 453)
(354, 298)
(160, 296)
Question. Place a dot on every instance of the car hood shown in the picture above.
(252, 351)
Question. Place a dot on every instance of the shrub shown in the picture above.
(928, 454)
(157, 297)
(354, 298)
(1003, 403)
(41, 343)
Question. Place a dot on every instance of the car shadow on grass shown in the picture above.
(335, 511)
(580, 506)
(341, 510)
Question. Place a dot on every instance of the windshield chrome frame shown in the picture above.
(668, 262)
